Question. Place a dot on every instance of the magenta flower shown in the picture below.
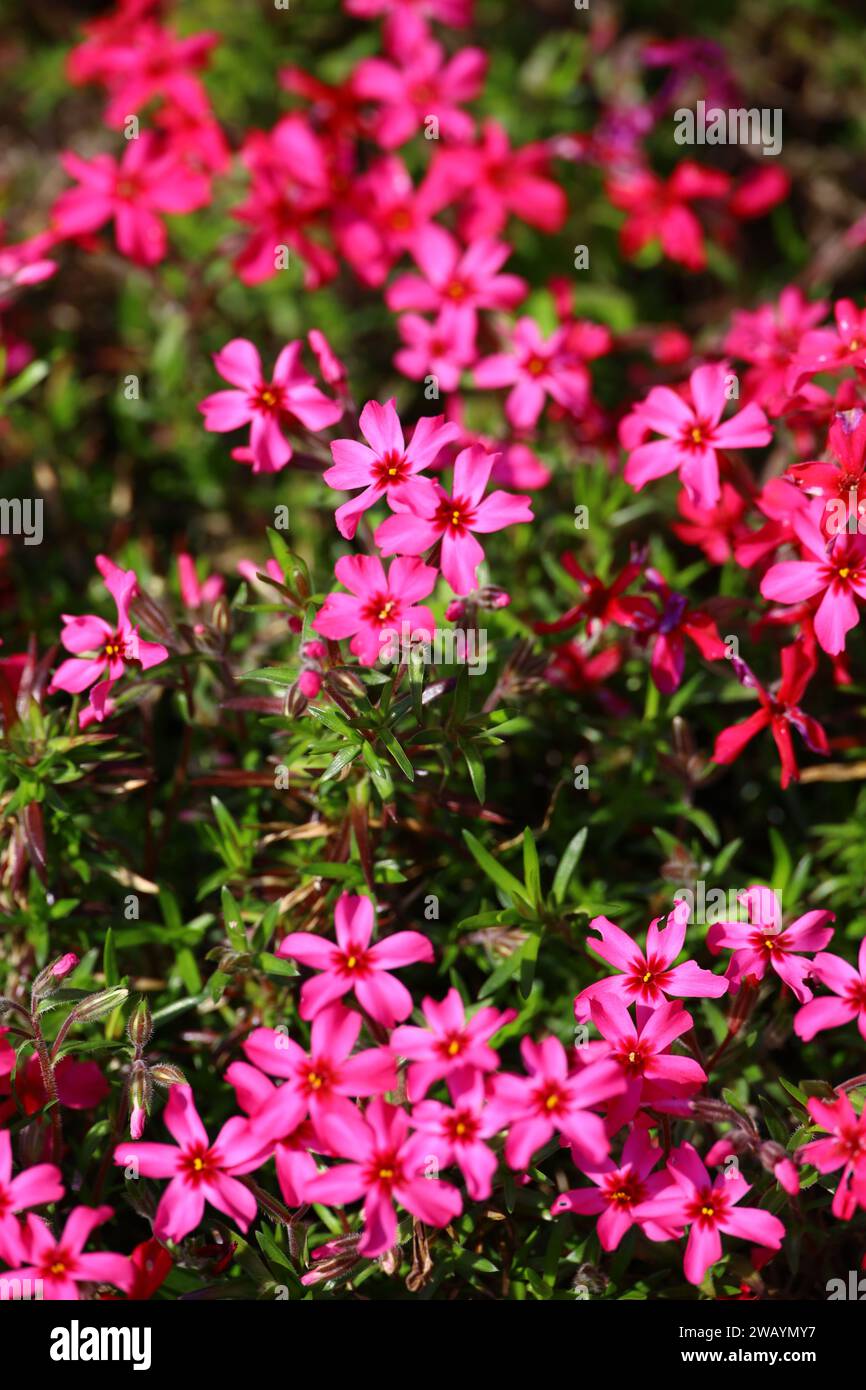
(537, 368)
(694, 433)
(779, 711)
(845, 1149)
(849, 986)
(708, 1208)
(288, 401)
(553, 1099)
(31, 1188)
(835, 568)
(199, 1170)
(388, 462)
(317, 1082)
(659, 209)
(762, 942)
(442, 348)
(425, 85)
(450, 1043)
(426, 515)
(492, 180)
(456, 1133)
(293, 1153)
(467, 280)
(386, 1166)
(353, 964)
(148, 180)
(648, 976)
(114, 647)
(61, 1264)
(377, 606)
(650, 1073)
(618, 1191)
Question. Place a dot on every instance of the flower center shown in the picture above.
(536, 365)
(198, 1164)
(270, 399)
(391, 468)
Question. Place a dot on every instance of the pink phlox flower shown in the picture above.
(618, 1191)
(426, 515)
(834, 568)
(831, 349)
(425, 84)
(61, 1262)
(287, 401)
(315, 1083)
(762, 942)
(377, 605)
(443, 347)
(709, 1208)
(535, 369)
(38, 1184)
(114, 647)
(148, 180)
(386, 462)
(847, 983)
(467, 280)
(648, 976)
(694, 433)
(779, 711)
(493, 181)
(649, 1072)
(456, 1132)
(845, 1148)
(200, 1171)
(553, 1099)
(293, 1153)
(659, 210)
(385, 1165)
(352, 964)
(449, 1042)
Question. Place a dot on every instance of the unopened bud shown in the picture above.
(164, 1074)
(97, 1005)
(139, 1084)
(296, 702)
(47, 980)
(221, 617)
(140, 1026)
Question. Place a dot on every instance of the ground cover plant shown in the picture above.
(432, 733)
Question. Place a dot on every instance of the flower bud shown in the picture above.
(164, 1074)
(309, 683)
(48, 979)
(296, 701)
(221, 618)
(97, 1005)
(139, 1026)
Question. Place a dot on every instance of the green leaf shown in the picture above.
(397, 752)
(567, 865)
(109, 960)
(495, 871)
(277, 965)
(531, 868)
(475, 765)
(233, 921)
